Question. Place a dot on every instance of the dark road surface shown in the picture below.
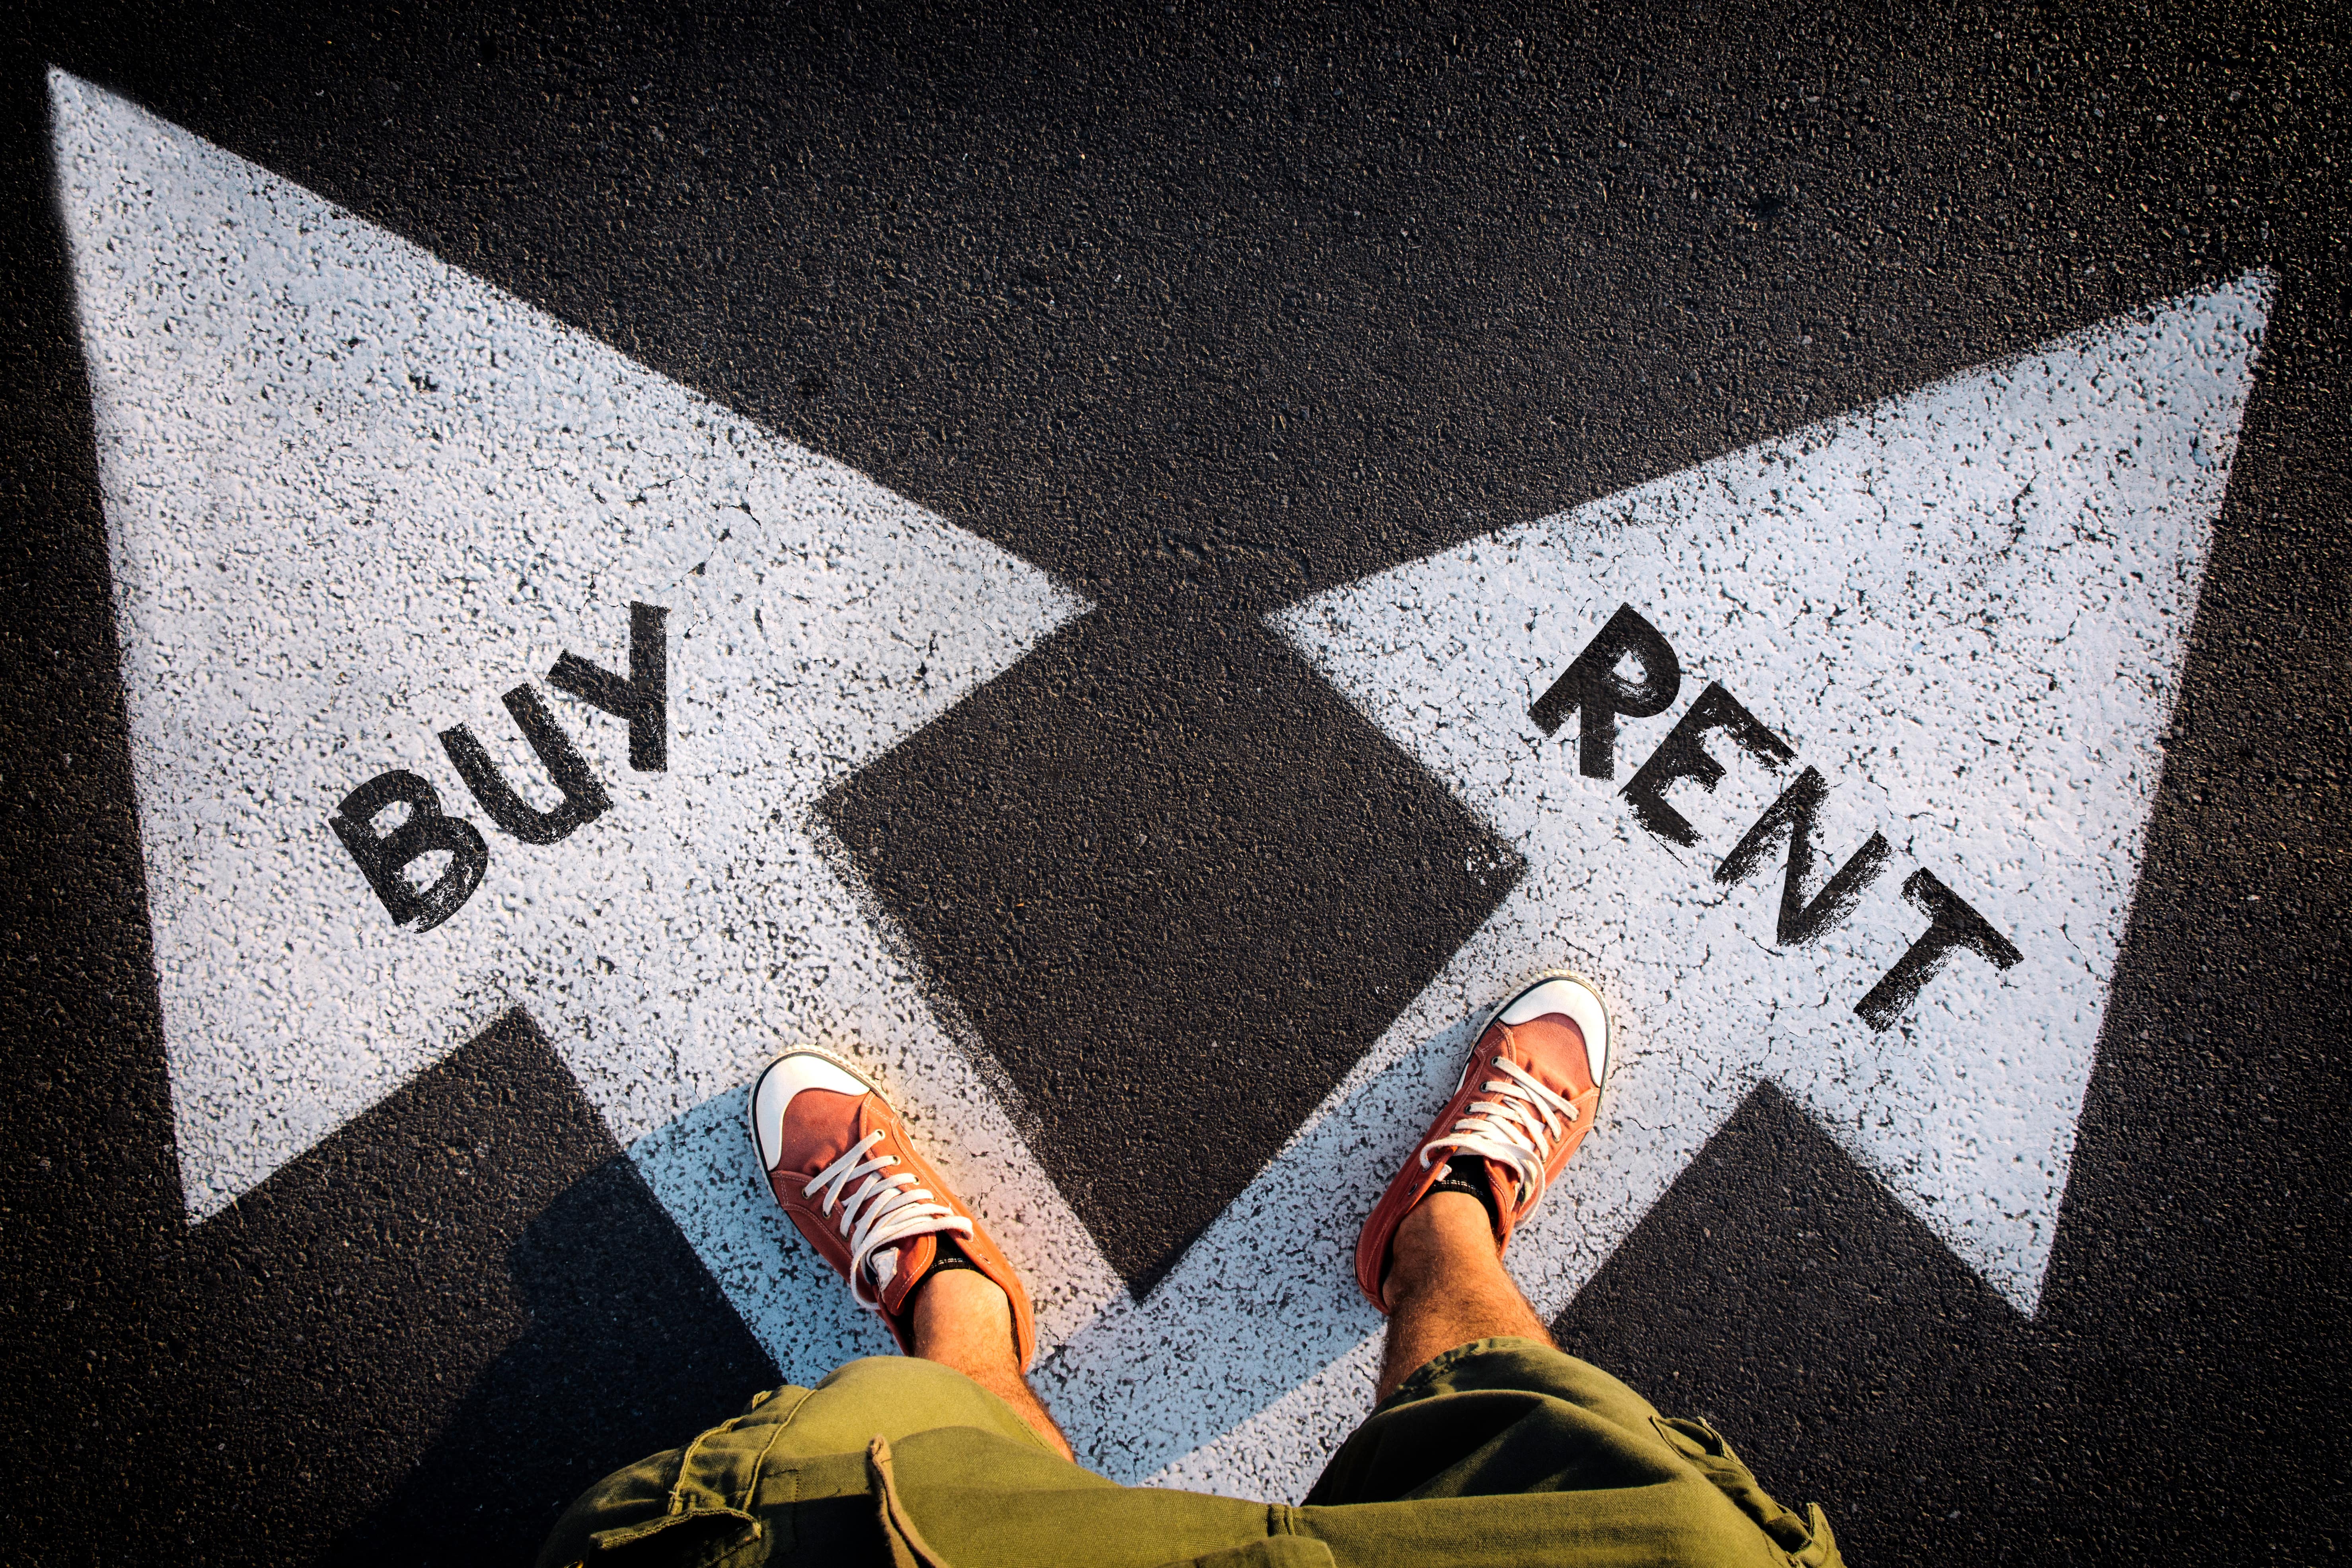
(1203, 313)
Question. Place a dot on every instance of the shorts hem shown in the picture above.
(1417, 1381)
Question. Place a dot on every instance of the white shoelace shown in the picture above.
(1515, 1129)
(896, 1210)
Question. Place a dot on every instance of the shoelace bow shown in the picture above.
(896, 1209)
(1517, 1127)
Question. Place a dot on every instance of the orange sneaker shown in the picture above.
(1526, 1100)
(839, 1160)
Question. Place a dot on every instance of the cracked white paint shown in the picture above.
(1967, 609)
(353, 495)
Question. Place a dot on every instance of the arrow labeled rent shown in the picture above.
(1829, 761)
(471, 666)
(1832, 758)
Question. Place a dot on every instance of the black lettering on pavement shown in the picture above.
(1683, 755)
(384, 857)
(585, 799)
(1953, 925)
(1597, 694)
(643, 698)
(1794, 814)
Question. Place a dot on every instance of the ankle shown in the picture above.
(962, 1318)
(1446, 1240)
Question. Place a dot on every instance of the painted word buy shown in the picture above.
(385, 849)
(1599, 689)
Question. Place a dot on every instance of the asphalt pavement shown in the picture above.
(1126, 511)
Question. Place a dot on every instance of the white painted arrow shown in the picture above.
(353, 496)
(1965, 610)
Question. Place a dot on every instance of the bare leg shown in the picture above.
(962, 1320)
(1446, 1286)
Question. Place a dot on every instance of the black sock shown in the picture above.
(1472, 1175)
(949, 1256)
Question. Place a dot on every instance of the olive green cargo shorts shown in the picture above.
(1499, 1452)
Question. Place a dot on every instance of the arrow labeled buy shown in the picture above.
(1829, 761)
(470, 665)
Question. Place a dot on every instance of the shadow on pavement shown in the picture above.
(630, 1349)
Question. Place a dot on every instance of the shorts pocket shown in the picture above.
(1807, 1539)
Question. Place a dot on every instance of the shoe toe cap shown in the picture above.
(1571, 998)
(787, 1077)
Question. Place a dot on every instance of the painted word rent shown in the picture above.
(1599, 687)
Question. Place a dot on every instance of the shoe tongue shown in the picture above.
(881, 1265)
(908, 1259)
